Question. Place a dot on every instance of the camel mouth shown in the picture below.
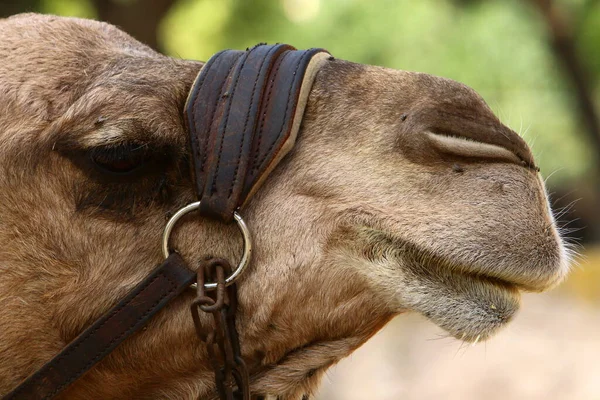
(470, 300)
(469, 306)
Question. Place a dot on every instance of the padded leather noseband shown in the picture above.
(243, 114)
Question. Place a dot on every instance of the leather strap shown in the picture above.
(165, 283)
(243, 115)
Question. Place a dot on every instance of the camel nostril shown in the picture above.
(472, 130)
(462, 146)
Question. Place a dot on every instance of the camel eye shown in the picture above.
(120, 159)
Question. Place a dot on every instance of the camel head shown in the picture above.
(403, 193)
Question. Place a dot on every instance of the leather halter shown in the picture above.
(243, 114)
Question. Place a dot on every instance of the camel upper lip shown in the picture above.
(471, 272)
(534, 278)
(497, 278)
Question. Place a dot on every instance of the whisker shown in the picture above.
(552, 173)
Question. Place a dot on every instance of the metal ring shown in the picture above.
(245, 234)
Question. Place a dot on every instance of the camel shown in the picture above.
(404, 193)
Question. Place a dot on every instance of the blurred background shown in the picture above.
(537, 64)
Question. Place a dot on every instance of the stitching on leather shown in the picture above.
(88, 335)
(285, 112)
(244, 137)
(212, 116)
(173, 287)
(237, 79)
(265, 106)
(195, 105)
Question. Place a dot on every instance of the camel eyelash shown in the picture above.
(122, 159)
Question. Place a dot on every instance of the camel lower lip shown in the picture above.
(470, 308)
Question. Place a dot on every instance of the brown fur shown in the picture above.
(379, 209)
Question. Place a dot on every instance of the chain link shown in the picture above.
(222, 341)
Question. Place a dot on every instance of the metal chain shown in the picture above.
(222, 341)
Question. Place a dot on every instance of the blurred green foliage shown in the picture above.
(498, 47)
(78, 8)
